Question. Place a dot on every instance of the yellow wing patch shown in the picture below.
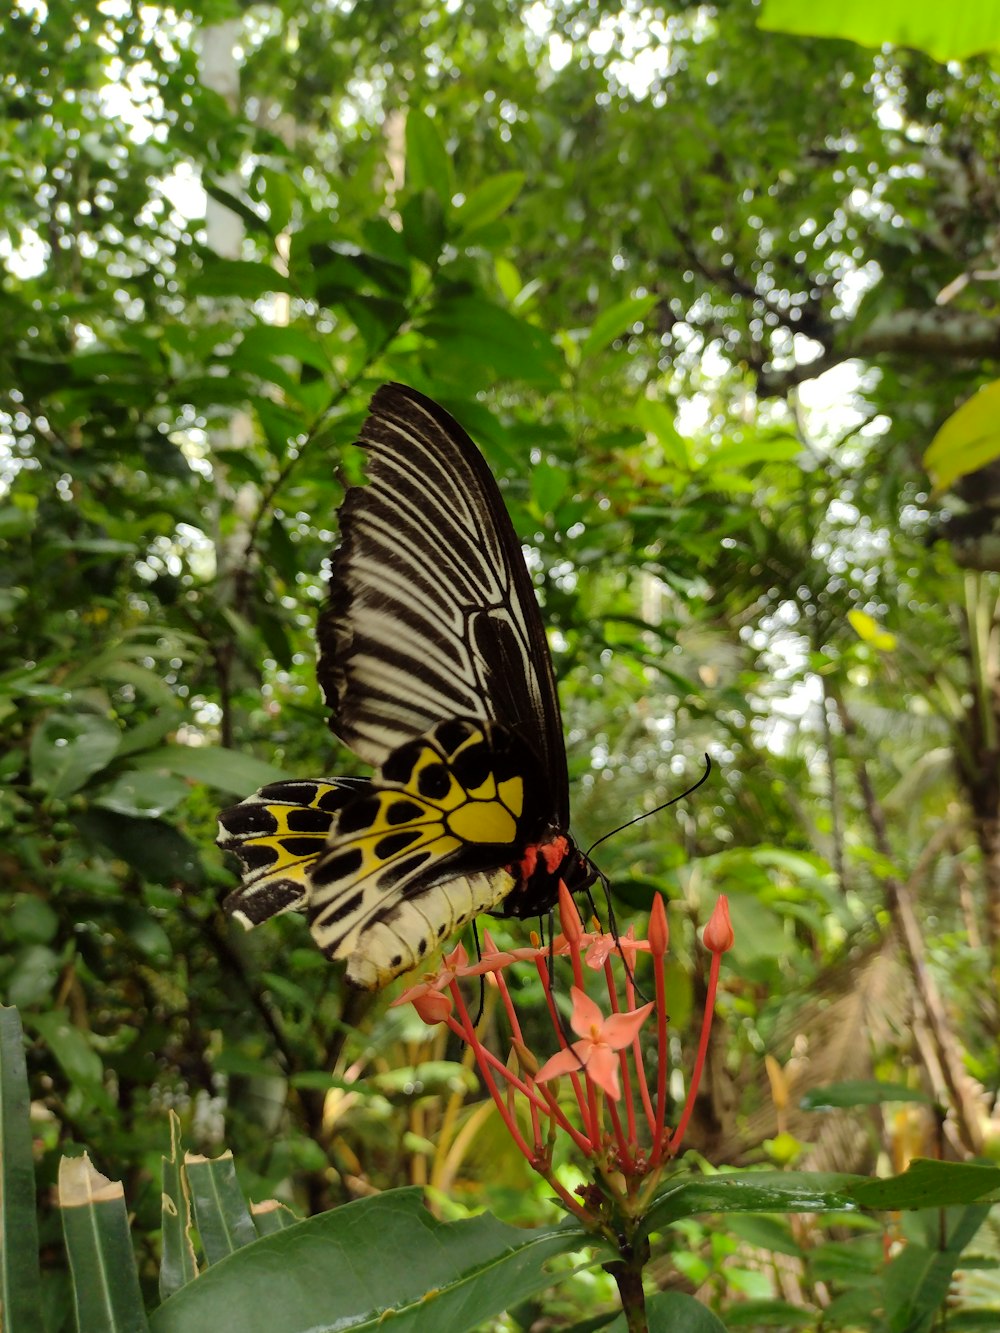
(422, 851)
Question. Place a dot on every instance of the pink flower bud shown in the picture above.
(569, 917)
(659, 930)
(718, 935)
(434, 1007)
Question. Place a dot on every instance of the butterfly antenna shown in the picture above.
(613, 931)
(606, 884)
(655, 811)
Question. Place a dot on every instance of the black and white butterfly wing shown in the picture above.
(432, 613)
(434, 663)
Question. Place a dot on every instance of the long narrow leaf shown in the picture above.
(751, 1192)
(918, 1280)
(101, 1261)
(271, 1216)
(178, 1264)
(20, 1290)
(220, 1210)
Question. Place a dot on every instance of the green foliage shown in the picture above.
(272, 1271)
(967, 31)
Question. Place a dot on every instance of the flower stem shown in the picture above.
(627, 1273)
(699, 1064)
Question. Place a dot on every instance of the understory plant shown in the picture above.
(596, 1109)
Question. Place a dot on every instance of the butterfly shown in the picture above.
(434, 664)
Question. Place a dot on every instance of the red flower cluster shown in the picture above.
(604, 1064)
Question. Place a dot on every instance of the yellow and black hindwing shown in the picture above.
(435, 666)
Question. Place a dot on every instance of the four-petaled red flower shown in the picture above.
(600, 1037)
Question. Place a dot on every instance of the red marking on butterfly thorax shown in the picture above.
(539, 871)
(551, 854)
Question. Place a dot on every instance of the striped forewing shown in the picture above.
(431, 613)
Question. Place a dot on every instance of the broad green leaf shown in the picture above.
(548, 486)
(160, 852)
(230, 1061)
(951, 33)
(762, 447)
(93, 545)
(88, 366)
(67, 750)
(657, 419)
(868, 629)
(16, 520)
(766, 1233)
(80, 1062)
(220, 1211)
(32, 920)
(428, 166)
(245, 278)
(509, 279)
(255, 223)
(272, 341)
(488, 201)
(616, 321)
(322, 1081)
(969, 439)
(370, 1263)
(929, 1184)
(431, 1077)
(860, 1092)
(145, 795)
(142, 679)
(845, 1262)
(144, 930)
(751, 1192)
(33, 976)
(473, 330)
(282, 552)
(336, 268)
(95, 1229)
(226, 770)
(20, 1293)
(288, 989)
(423, 226)
(279, 424)
(377, 318)
(280, 197)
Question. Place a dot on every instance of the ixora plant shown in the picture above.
(434, 660)
(599, 1099)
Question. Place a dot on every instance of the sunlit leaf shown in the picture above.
(868, 629)
(947, 34)
(968, 440)
(488, 201)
